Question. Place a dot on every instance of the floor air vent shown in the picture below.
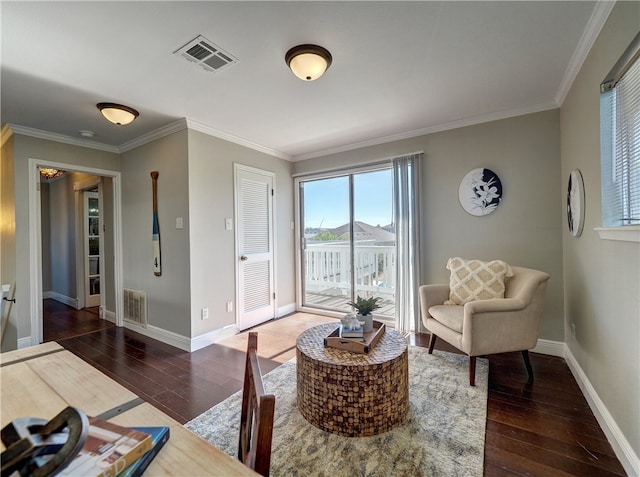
(135, 307)
(205, 53)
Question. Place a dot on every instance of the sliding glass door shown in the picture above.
(348, 240)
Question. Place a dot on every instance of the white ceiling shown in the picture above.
(399, 68)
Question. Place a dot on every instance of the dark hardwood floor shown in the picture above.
(62, 321)
(540, 429)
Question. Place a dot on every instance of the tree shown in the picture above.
(325, 235)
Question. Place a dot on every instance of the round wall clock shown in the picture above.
(575, 203)
(480, 192)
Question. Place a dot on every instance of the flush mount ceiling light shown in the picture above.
(117, 113)
(308, 62)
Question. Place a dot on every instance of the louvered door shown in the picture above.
(254, 246)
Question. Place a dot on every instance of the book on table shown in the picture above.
(346, 332)
(108, 450)
(159, 437)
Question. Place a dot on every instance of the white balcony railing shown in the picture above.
(327, 270)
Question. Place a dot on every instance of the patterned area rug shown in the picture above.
(443, 435)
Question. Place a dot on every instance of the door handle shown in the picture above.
(244, 258)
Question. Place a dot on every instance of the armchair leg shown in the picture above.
(472, 370)
(432, 342)
(527, 364)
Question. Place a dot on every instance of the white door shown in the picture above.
(254, 246)
(92, 239)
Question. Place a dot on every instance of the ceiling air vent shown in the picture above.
(207, 54)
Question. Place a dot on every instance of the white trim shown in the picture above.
(551, 348)
(211, 131)
(108, 315)
(212, 337)
(24, 342)
(168, 337)
(154, 135)
(485, 118)
(629, 233)
(621, 446)
(590, 34)
(35, 241)
(35, 252)
(40, 134)
(67, 300)
(175, 126)
(182, 342)
(286, 310)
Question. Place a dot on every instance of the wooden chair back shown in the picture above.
(256, 419)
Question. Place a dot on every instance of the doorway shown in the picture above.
(110, 230)
(348, 240)
(255, 244)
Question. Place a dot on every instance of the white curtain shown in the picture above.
(406, 211)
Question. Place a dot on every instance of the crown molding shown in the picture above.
(203, 128)
(38, 133)
(154, 135)
(485, 118)
(159, 133)
(594, 26)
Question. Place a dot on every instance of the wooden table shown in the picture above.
(42, 380)
(352, 394)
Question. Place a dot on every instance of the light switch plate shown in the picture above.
(228, 224)
(179, 223)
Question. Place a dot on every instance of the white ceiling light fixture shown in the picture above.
(308, 62)
(117, 113)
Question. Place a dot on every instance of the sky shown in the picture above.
(326, 201)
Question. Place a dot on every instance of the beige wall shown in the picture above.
(525, 230)
(168, 296)
(211, 200)
(63, 243)
(8, 268)
(602, 277)
(108, 265)
(24, 148)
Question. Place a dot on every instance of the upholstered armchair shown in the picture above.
(488, 326)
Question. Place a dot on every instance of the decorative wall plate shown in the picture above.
(480, 192)
(575, 203)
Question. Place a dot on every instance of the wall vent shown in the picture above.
(135, 307)
(206, 54)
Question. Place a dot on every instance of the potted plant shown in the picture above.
(365, 306)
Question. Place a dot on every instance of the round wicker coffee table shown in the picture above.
(352, 394)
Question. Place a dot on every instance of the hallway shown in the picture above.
(61, 321)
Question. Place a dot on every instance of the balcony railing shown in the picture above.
(328, 273)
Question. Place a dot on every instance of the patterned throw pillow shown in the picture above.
(476, 280)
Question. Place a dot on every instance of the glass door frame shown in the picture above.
(299, 180)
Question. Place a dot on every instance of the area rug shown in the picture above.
(443, 435)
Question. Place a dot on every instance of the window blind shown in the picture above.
(620, 142)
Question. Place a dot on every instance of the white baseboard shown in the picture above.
(182, 342)
(551, 348)
(24, 342)
(286, 310)
(628, 458)
(168, 337)
(72, 302)
(212, 337)
(109, 315)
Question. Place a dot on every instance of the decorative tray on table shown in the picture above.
(356, 345)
